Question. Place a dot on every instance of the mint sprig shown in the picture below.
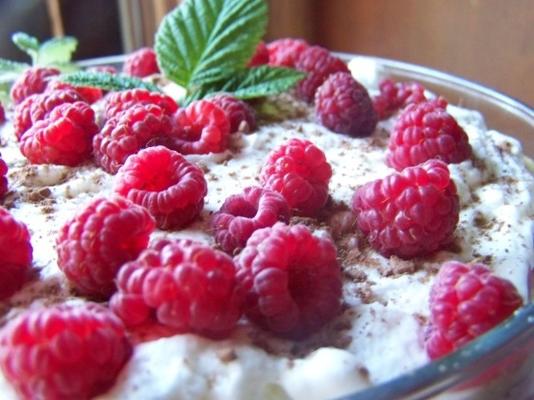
(204, 41)
(55, 52)
(107, 81)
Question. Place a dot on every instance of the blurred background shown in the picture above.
(488, 41)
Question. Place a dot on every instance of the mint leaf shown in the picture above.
(8, 66)
(252, 83)
(204, 41)
(56, 51)
(107, 81)
(27, 43)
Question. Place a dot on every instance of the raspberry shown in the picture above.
(87, 93)
(285, 52)
(64, 137)
(319, 64)
(16, 254)
(3, 177)
(117, 102)
(299, 171)
(141, 63)
(37, 107)
(424, 131)
(31, 81)
(241, 116)
(343, 105)
(63, 352)
(242, 214)
(164, 182)
(260, 56)
(98, 240)
(2, 114)
(201, 128)
(410, 213)
(465, 302)
(396, 95)
(181, 284)
(130, 131)
(291, 280)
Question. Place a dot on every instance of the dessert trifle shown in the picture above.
(233, 219)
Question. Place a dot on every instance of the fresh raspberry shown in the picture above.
(410, 213)
(260, 56)
(164, 182)
(64, 352)
(116, 102)
(285, 52)
(130, 131)
(396, 95)
(237, 111)
(94, 244)
(181, 284)
(2, 114)
(465, 302)
(87, 93)
(299, 171)
(16, 254)
(291, 280)
(31, 81)
(424, 131)
(3, 177)
(319, 64)
(37, 107)
(202, 127)
(343, 105)
(64, 137)
(141, 63)
(242, 214)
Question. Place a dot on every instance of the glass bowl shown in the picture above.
(500, 363)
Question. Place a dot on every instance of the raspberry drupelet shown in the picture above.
(117, 102)
(183, 285)
(424, 131)
(241, 116)
(31, 81)
(16, 254)
(285, 52)
(291, 280)
(343, 105)
(95, 243)
(164, 182)
(300, 172)
(465, 302)
(411, 213)
(141, 63)
(64, 352)
(242, 214)
(395, 95)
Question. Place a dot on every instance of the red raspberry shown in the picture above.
(201, 128)
(237, 111)
(141, 63)
(299, 171)
(319, 64)
(260, 56)
(410, 213)
(424, 131)
(87, 93)
(165, 183)
(465, 302)
(3, 177)
(117, 102)
(2, 114)
(64, 352)
(99, 240)
(140, 126)
(33, 80)
(37, 107)
(242, 214)
(285, 52)
(343, 105)
(181, 284)
(291, 280)
(15, 254)
(64, 137)
(396, 95)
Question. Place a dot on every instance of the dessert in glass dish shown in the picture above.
(249, 220)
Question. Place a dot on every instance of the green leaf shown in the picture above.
(56, 51)
(27, 43)
(204, 41)
(12, 66)
(252, 83)
(107, 81)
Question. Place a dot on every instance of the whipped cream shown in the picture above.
(376, 338)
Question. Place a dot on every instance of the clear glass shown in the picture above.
(500, 364)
